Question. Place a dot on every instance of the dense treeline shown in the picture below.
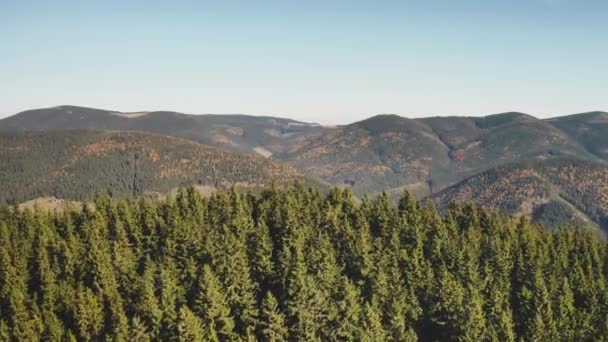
(294, 264)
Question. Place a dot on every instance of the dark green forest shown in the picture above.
(77, 164)
(294, 264)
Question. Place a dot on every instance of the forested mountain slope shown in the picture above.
(294, 265)
(554, 191)
(75, 164)
(590, 129)
(426, 155)
(385, 152)
(241, 133)
(381, 152)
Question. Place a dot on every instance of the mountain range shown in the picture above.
(237, 133)
(510, 161)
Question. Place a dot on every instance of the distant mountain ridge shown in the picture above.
(428, 156)
(240, 133)
(589, 129)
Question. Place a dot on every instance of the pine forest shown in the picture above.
(295, 264)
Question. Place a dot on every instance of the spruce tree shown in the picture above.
(372, 328)
(272, 321)
(148, 307)
(139, 331)
(88, 314)
(189, 326)
(211, 305)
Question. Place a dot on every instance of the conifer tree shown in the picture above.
(88, 314)
(272, 321)
(372, 328)
(344, 319)
(170, 298)
(260, 249)
(211, 305)
(306, 303)
(189, 326)
(447, 312)
(565, 312)
(147, 307)
(139, 331)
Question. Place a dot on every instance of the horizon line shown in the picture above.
(280, 116)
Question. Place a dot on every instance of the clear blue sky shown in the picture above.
(325, 61)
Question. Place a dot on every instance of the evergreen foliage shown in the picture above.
(293, 264)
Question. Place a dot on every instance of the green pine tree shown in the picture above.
(189, 326)
(211, 305)
(272, 321)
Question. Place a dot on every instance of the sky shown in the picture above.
(331, 62)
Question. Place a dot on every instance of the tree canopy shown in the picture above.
(294, 264)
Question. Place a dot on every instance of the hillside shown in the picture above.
(551, 191)
(590, 129)
(76, 164)
(384, 152)
(240, 133)
(426, 155)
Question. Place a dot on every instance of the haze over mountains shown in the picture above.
(441, 157)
